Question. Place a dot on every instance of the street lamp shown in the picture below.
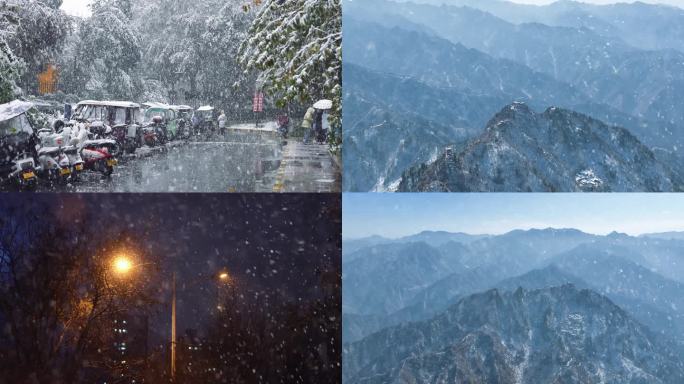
(123, 265)
(224, 278)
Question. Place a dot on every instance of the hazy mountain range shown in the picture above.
(421, 78)
(551, 305)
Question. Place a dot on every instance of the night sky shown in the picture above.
(268, 243)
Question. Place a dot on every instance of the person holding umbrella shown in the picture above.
(307, 123)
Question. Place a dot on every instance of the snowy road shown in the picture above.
(243, 160)
(236, 162)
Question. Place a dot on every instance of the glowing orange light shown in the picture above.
(122, 265)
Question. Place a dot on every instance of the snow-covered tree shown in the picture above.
(11, 66)
(57, 295)
(192, 49)
(39, 36)
(222, 79)
(111, 49)
(295, 45)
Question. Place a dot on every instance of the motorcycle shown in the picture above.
(155, 132)
(149, 136)
(283, 126)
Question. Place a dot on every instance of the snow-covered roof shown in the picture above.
(179, 107)
(109, 103)
(43, 103)
(13, 109)
(205, 108)
(153, 104)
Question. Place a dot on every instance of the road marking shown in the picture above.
(231, 143)
(280, 175)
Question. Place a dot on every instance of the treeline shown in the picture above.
(166, 51)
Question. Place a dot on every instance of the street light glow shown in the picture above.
(122, 265)
(224, 276)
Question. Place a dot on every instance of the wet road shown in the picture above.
(241, 162)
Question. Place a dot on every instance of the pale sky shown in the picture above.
(678, 3)
(399, 214)
(77, 7)
(80, 7)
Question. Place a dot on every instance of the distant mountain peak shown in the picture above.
(510, 112)
(558, 150)
(577, 335)
(547, 230)
(618, 235)
(429, 232)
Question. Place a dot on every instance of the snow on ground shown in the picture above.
(394, 186)
(588, 179)
(270, 126)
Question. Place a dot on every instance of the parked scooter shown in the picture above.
(61, 136)
(126, 138)
(98, 156)
(89, 139)
(17, 145)
(54, 163)
(21, 170)
(72, 151)
(149, 135)
(155, 133)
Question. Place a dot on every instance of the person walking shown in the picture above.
(222, 122)
(195, 121)
(319, 136)
(307, 124)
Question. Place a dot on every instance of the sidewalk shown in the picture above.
(268, 126)
(307, 168)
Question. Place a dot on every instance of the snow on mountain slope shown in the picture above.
(557, 151)
(553, 335)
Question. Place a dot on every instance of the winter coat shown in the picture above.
(222, 121)
(318, 121)
(308, 118)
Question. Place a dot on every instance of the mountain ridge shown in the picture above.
(556, 150)
(528, 336)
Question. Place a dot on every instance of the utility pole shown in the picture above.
(173, 330)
